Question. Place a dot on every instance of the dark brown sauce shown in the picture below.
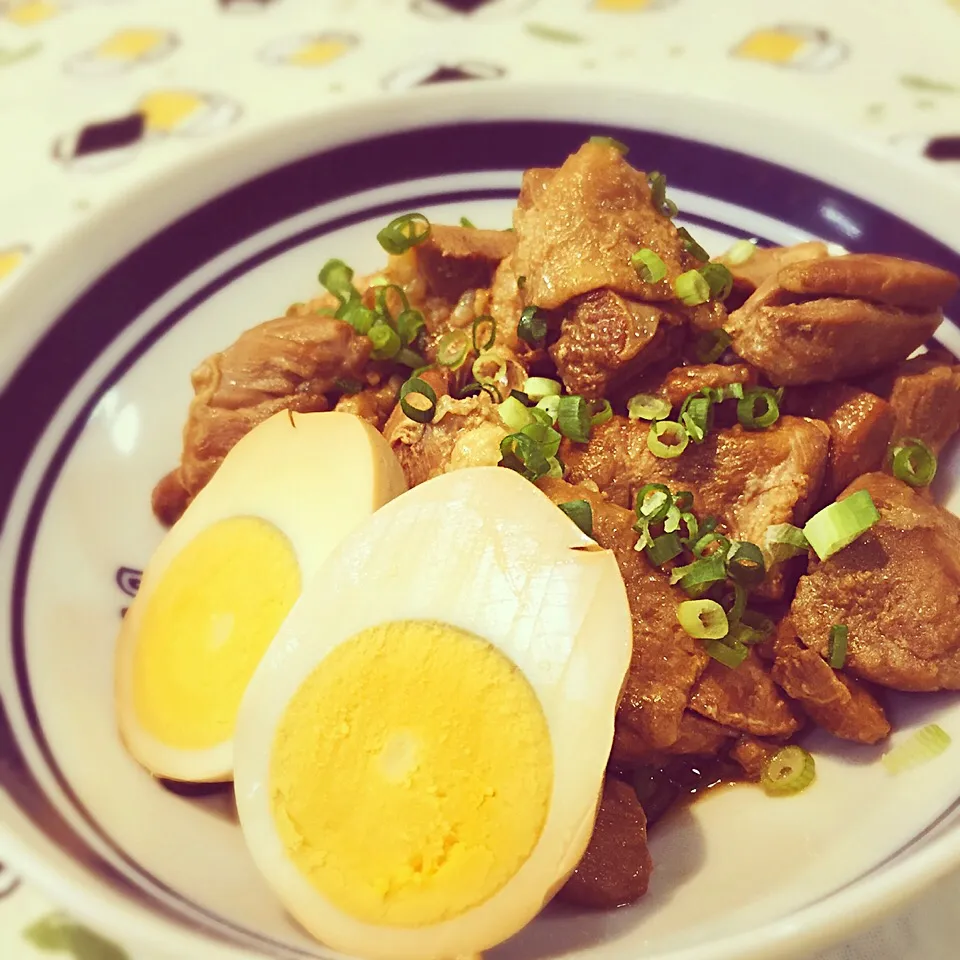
(680, 782)
(216, 798)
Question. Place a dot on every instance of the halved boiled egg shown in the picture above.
(227, 573)
(420, 753)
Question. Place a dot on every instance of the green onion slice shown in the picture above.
(691, 245)
(734, 601)
(653, 501)
(658, 194)
(646, 406)
(536, 388)
(719, 279)
(359, 317)
(838, 645)
(671, 522)
(383, 291)
(665, 547)
(452, 349)
(753, 628)
(745, 564)
(703, 619)
(610, 142)
(740, 252)
(556, 468)
(514, 414)
(385, 340)
(696, 414)
(839, 524)
(481, 343)
(421, 412)
(337, 278)
(721, 545)
(545, 436)
(692, 288)
(522, 453)
(532, 327)
(759, 408)
(522, 397)
(700, 574)
(410, 358)
(789, 771)
(683, 499)
(667, 439)
(550, 406)
(409, 325)
(731, 653)
(913, 462)
(783, 541)
(573, 418)
(600, 412)
(469, 224)
(475, 388)
(581, 513)
(404, 232)
(928, 742)
(689, 521)
(712, 345)
(650, 268)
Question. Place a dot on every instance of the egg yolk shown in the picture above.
(206, 627)
(411, 774)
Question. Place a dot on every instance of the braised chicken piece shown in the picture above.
(698, 737)
(763, 263)
(666, 660)
(896, 589)
(616, 867)
(677, 384)
(924, 394)
(453, 260)
(861, 427)
(750, 479)
(839, 317)
(744, 699)
(830, 698)
(299, 362)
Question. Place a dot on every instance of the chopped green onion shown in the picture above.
(703, 619)
(600, 412)
(671, 522)
(540, 416)
(650, 268)
(730, 653)
(410, 358)
(359, 317)
(691, 245)
(675, 435)
(581, 513)
(838, 645)
(536, 388)
(550, 406)
(758, 399)
(532, 327)
(789, 771)
(522, 453)
(692, 288)
(464, 222)
(700, 574)
(522, 397)
(783, 541)
(337, 278)
(514, 414)
(556, 468)
(665, 547)
(733, 391)
(491, 338)
(409, 325)
(644, 538)
(928, 742)
(690, 522)
(658, 194)
(381, 298)
(683, 499)
(735, 595)
(385, 340)
(645, 406)
(719, 279)
(711, 345)
(415, 387)
(652, 502)
(696, 414)
(404, 232)
(610, 142)
(452, 349)
(740, 252)
(913, 462)
(721, 545)
(745, 564)
(573, 418)
(544, 435)
(839, 524)
(475, 388)
(753, 628)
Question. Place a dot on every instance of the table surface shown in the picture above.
(75, 76)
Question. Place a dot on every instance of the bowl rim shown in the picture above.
(867, 169)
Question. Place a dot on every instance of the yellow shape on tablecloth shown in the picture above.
(32, 11)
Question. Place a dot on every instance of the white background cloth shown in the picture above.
(885, 68)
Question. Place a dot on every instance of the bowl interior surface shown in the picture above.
(80, 529)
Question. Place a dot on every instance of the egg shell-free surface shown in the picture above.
(483, 550)
(314, 477)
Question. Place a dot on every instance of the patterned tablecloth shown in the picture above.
(96, 95)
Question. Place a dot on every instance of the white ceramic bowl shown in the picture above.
(96, 342)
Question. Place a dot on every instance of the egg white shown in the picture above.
(484, 550)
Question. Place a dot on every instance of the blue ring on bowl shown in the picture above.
(106, 308)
